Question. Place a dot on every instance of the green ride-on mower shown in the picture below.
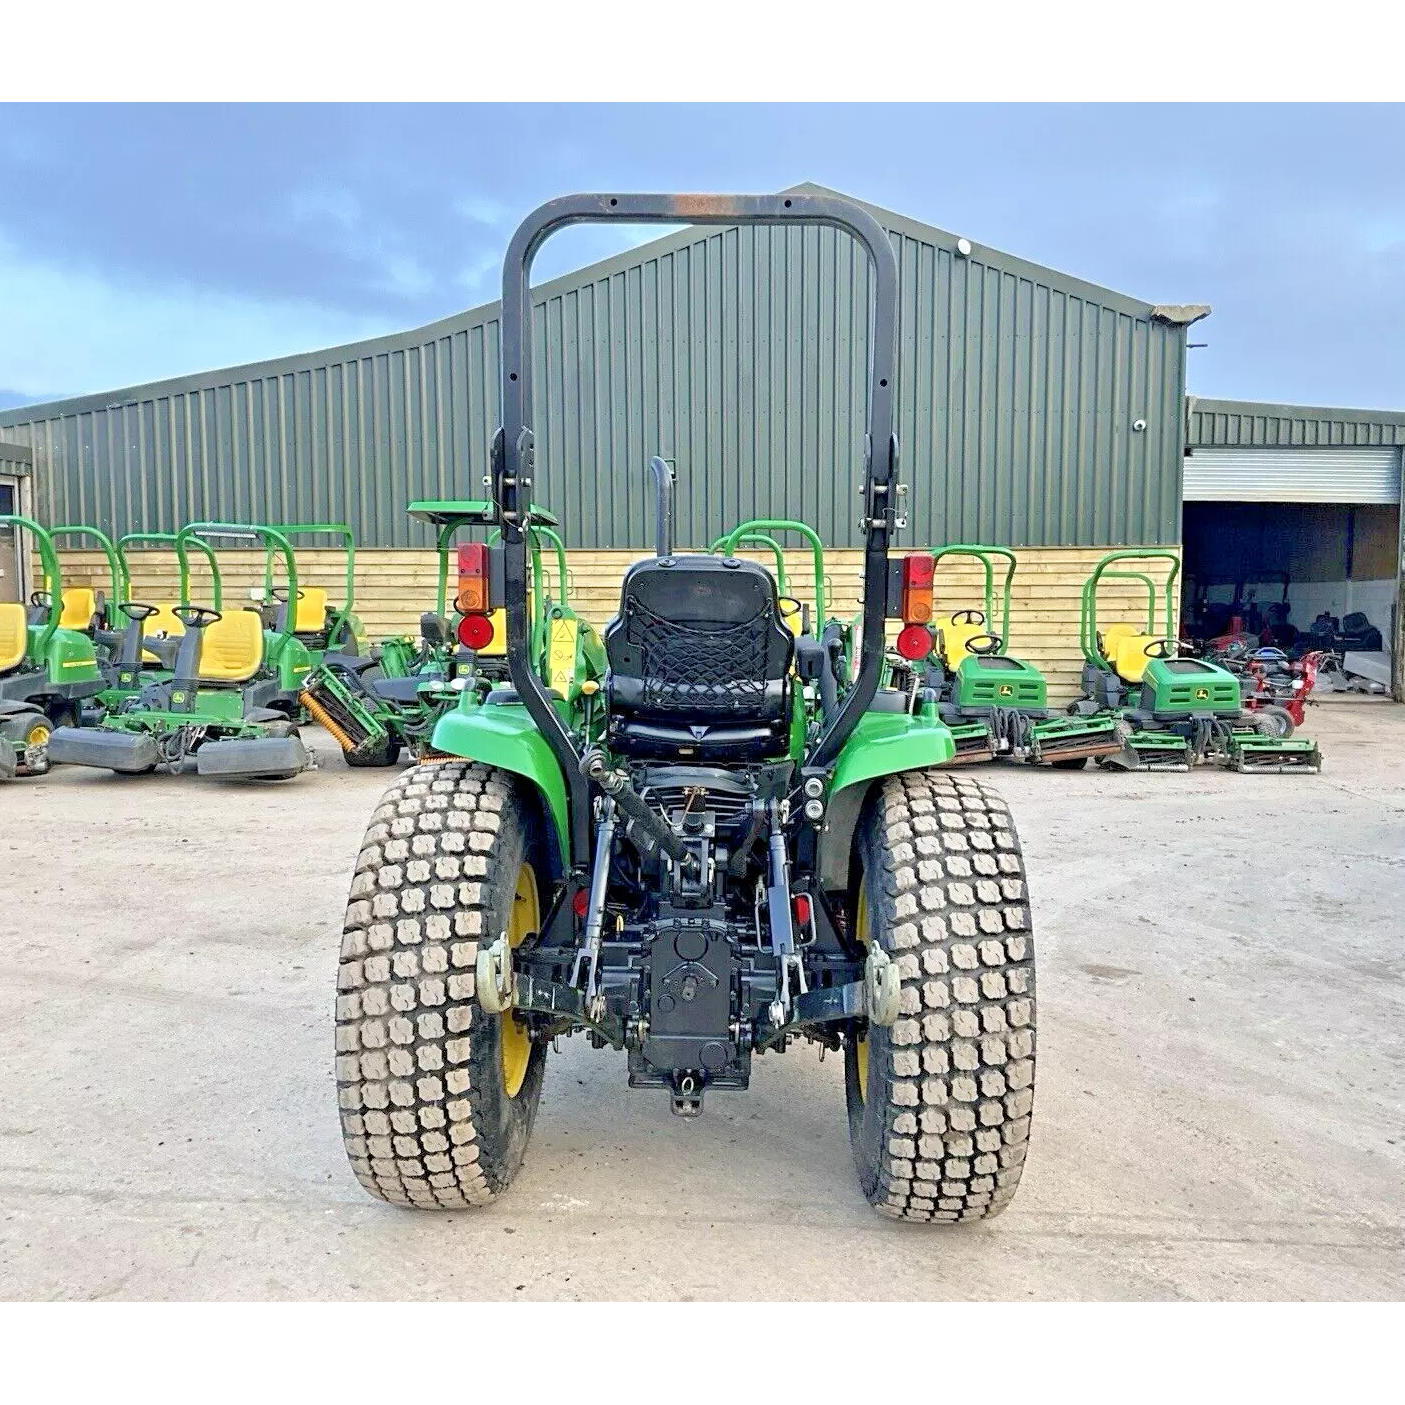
(719, 851)
(47, 671)
(319, 625)
(1171, 712)
(378, 706)
(997, 706)
(230, 701)
(87, 610)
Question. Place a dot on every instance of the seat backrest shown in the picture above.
(231, 648)
(311, 617)
(954, 635)
(1113, 633)
(14, 636)
(164, 621)
(699, 639)
(80, 604)
(793, 614)
(1127, 654)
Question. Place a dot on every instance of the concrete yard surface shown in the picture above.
(1220, 1105)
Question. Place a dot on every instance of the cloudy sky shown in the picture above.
(143, 242)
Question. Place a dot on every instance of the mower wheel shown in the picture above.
(29, 732)
(1070, 763)
(939, 1102)
(1274, 722)
(437, 1096)
(387, 754)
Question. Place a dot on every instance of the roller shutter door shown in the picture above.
(1293, 475)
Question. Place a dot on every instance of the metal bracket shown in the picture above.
(882, 987)
(492, 976)
(549, 998)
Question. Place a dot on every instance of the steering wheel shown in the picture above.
(41, 599)
(280, 593)
(135, 610)
(1163, 649)
(196, 616)
(968, 617)
(984, 644)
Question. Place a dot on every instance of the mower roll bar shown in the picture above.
(173, 539)
(49, 561)
(115, 565)
(1088, 612)
(781, 524)
(514, 460)
(271, 539)
(758, 539)
(983, 554)
(318, 529)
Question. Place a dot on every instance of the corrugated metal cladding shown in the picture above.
(15, 460)
(740, 354)
(1293, 475)
(1249, 424)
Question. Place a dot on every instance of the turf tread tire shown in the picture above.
(943, 1130)
(425, 1120)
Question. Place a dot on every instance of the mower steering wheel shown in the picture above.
(1163, 649)
(968, 617)
(280, 593)
(196, 616)
(41, 599)
(988, 644)
(135, 610)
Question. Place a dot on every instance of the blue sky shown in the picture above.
(142, 242)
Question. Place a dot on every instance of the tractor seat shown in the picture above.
(14, 636)
(80, 604)
(953, 637)
(1127, 654)
(164, 622)
(231, 648)
(1113, 633)
(699, 658)
(311, 617)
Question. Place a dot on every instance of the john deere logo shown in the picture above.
(1006, 691)
(1201, 694)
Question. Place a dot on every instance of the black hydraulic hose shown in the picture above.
(595, 767)
(663, 499)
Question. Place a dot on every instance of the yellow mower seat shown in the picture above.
(14, 636)
(164, 621)
(311, 616)
(792, 614)
(1128, 655)
(1113, 633)
(953, 637)
(80, 604)
(231, 648)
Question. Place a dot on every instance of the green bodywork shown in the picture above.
(60, 666)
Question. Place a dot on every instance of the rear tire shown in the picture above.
(1274, 722)
(430, 1116)
(939, 1103)
(28, 731)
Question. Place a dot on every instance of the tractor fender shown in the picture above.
(883, 744)
(504, 735)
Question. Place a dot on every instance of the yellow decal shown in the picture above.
(1201, 694)
(1006, 691)
(77, 663)
(561, 659)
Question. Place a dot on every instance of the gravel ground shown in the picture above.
(1219, 1110)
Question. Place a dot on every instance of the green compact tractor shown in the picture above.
(47, 670)
(1172, 712)
(377, 706)
(736, 841)
(231, 698)
(997, 705)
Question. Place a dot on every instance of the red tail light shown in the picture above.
(475, 631)
(918, 573)
(804, 909)
(580, 904)
(915, 642)
(472, 595)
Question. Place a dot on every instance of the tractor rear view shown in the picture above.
(736, 841)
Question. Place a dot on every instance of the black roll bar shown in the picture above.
(514, 456)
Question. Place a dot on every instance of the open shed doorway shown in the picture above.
(1280, 566)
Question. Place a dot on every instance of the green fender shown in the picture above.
(504, 735)
(882, 744)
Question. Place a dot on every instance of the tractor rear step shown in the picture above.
(1069, 738)
(1150, 751)
(974, 744)
(1260, 755)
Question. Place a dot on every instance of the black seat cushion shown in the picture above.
(698, 651)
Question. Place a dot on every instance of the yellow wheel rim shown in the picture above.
(516, 1046)
(861, 1045)
(38, 737)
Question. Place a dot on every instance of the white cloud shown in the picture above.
(481, 209)
(75, 332)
